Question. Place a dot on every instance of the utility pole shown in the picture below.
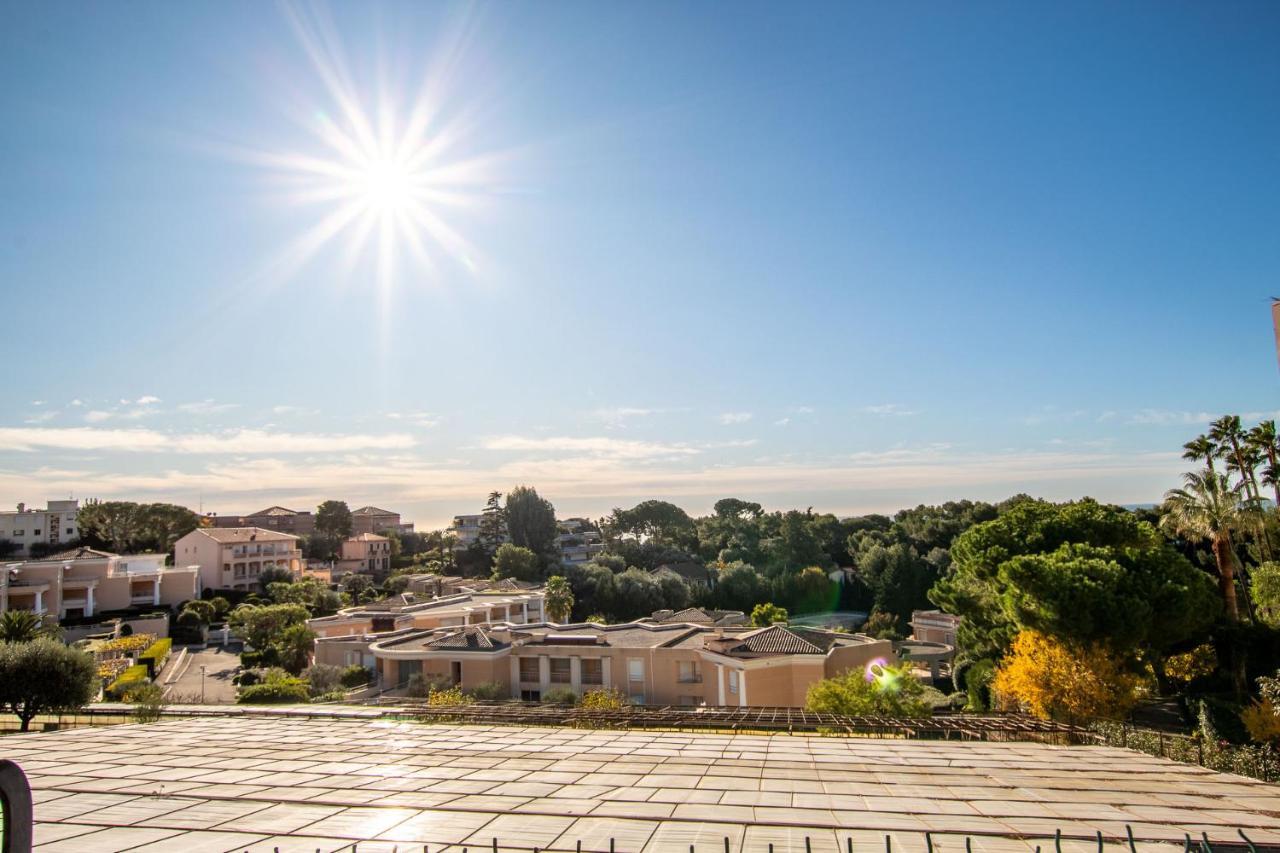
(202, 669)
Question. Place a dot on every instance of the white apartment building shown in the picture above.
(53, 525)
(235, 557)
(84, 582)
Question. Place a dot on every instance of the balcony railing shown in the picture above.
(687, 678)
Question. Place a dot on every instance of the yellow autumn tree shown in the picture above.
(1073, 684)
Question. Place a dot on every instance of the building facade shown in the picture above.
(370, 519)
(235, 557)
(934, 626)
(85, 582)
(54, 525)
(663, 664)
(277, 518)
(364, 552)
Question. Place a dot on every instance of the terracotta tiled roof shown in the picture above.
(228, 535)
(776, 640)
(472, 638)
(275, 510)
(82, 553)
(372, 510)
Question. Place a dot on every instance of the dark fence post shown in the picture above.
(15, 801)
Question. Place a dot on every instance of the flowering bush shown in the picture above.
(109, 669)
(131, 643)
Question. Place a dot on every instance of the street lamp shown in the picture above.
(202, 669)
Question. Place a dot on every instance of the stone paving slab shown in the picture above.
(233, 783)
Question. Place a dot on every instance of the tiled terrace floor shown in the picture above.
(217, 784)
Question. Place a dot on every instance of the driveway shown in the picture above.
(219, 665)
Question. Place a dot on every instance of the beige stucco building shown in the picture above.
(934, 626)
(364, 552)
(235, 557)
(53, 525)
(86, 582)
(665, 664)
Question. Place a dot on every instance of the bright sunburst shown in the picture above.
(386, 177)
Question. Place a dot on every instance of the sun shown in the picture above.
(388, 179)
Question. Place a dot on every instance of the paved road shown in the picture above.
(219, 665)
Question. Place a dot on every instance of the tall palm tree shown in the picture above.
(1263, 437)
(1201, 448)
(1209, 508)
(1229, 435)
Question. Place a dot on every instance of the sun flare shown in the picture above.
(390, 179)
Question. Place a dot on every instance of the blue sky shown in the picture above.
(853, 256)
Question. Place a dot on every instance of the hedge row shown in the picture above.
(156, 655)
(273, 692)
(131, 677)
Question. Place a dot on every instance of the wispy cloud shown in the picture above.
(242, 441)
(888, 409)
(206, 407)
(728, 418)
(97, 416)
(1166, 417)
(147, 400)
(602, 446)
(782, 421)
(617, 416)
(422, 419)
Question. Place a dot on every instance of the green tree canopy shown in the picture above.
(1081, 572)
(126, 527)
(895, 693)
(333, 519)
(513, 561)
(741, 587)
(658, 521)
(531, 523)
(44, 676)
(763, 615)
(262, 626)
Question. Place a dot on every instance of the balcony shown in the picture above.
(689, 678)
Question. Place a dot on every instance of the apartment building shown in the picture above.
(53, 525)
(934, 626)
(277, 518)
(363, 552)
(235, 557)
(370, 519)
(579, 541)
(664, 664)
(85, 582)
(466, 531)
(344, 638)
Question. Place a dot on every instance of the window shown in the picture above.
(19, 533)
(455, 671)
(529, 671)
(531, 695)
(71, 531)
(592, 671)
(733, 681)
(688, 672)
(560, 669)
(635, 669)
(35, 532)
(226, 567)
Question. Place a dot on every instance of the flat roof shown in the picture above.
(267, 780)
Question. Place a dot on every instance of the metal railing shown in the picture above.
(1046, 842)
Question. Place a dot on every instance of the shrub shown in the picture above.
(1200, 662)
(246, 678)
(560, 696)
(603, 699)
(147, 700)
(1071, 683)
(880, 690)
(205, 610)
(356, 676)
(1261, 720)
(110, 668)
(446, 697)
(129, 643)
(323, 678)
(132, 677)
(280, 691)
(250, 659)
(421, 686)
(488, 691)
(155, 655)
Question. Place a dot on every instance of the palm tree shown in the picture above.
(1209, 507)
(1226, 431)
(1201, 448)
(19, 626)
(559, 599)
(1263, 437)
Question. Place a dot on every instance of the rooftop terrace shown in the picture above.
(261, 783)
